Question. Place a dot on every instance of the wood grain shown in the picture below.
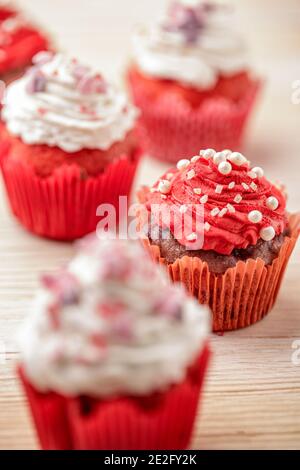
(251, 398)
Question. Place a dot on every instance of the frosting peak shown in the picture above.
(111, 323)
(192, 44)
(228, 203)
(63, 103)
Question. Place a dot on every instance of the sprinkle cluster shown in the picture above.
(116, 265)
(188, 20)
(234, 170)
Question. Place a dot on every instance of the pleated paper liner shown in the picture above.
(170, 129)
(63, 206)
(241, 296)
(160, 421)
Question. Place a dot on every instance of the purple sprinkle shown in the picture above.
(37, 82)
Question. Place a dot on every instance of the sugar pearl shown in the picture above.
(258, 171)
(219, 158)
(164, 186)
(219, 189)
(225, 168)
(214, 212)
(267, 233)
(182, 164)
(272, 203)
(191, 237)
(190, 174)
(197, 190)
(208, 153)
(252, 174)
(204, 199)
(223, 212)
(230, 208)
(255, 216)
(237, 158)
(195, 158)
(238, 198)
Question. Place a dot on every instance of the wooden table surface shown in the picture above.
(252, 394)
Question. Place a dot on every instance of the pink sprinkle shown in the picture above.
(90, 85)
(42, 111)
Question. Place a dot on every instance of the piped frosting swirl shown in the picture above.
(111, 323)
(229, 204)
(63, 103)
(192, 44)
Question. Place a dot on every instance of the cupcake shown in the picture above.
(19, 42)
(113, 355)
(68, 144)
(222, 229)
(190, 77)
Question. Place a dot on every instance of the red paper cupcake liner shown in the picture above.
(171, 129)
(241, 296)
(160, 421)
(63, 206)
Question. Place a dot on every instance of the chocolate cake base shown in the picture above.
(171, 250)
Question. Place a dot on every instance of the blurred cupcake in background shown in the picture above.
(228, 236)
(20, 40)
(68, 144)
(191, 79)
(113, 356)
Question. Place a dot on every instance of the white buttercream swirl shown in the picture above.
(165, 54)
(61, 115)
(149, 345)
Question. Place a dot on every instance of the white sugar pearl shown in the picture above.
(164, 186)
(237, 158)
(272, 203)
(208, 153)
(182, 164)
(267, 233)
(255, 216)
(225, 168)
(258, 171)
(219, 158)
(195, 158)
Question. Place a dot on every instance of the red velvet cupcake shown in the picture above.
(191, 79)
(222, 229)
(113, 356)
(19, 42)
(68, 145)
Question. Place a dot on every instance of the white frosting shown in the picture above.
(219, 49)
(154, 355)
(62, 116)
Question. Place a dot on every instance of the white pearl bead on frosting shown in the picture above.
(258, 171)
(208, 153)
(219, 157)
(164, 186)
(272, 203)
(255, 216)
(225, 168)
(237, 158)
(267, 233)
(182, 164)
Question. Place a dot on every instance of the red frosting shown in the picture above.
(19, 41)
(233, 229)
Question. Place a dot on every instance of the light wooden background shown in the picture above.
(252, 397)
